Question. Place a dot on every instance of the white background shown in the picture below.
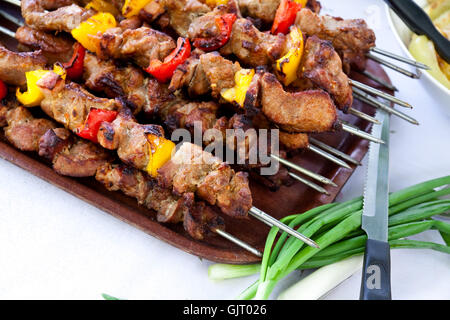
(54, 246)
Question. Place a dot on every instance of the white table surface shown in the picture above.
(54, 246)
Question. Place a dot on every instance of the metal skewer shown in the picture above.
(400, 58)
(363, 115)
(8, 32)
(239, 242)
(11, 18)
(379, 93)
(378, 80)
(334, 151)
(350, 129)
(271, 221)
(364, 97)
(328, 156)
(394, 67)
(309, 183)
(306, 172)
(14, 2)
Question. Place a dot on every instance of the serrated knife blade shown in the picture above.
(376, 282)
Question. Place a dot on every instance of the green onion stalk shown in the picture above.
(336, 228)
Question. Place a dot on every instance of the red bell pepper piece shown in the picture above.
(74, 67)
(95, 118)
(225, 25)
(3, 90)
(285, 16)
(163, 71)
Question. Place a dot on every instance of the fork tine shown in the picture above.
(394, 67)
(400, 58)
(379, 80)
(379, 93)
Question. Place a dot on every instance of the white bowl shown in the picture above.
(403, 35)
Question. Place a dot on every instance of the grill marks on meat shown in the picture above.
(13, 65)
(323, 66)
(54, 47)
(253, 47)
(351, 38)
(116, 81)
(193, 170)
(129, 138)
(198, 219)
(300, 112)
(141, 45)
(66, 14)
(68, 103)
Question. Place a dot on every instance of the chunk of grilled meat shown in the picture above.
(183, 12)
(193, 170)
(70, 155)
(301, 112)
(114, 81)
(129, 138)
(60, 15)
(198, 219)
(68, 103)
(323, 66)
(205, 73)
(141, 45)
(13, 65)
(24, 131)
(351, 38)
(266, 9)
(56, 48)
(253, 47)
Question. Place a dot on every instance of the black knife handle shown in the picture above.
(376, 277)
(420, 23)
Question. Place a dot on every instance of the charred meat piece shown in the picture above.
(62, 15)
(70, 155)
(193, 170)
(129, 138)
(24, 131)
(323, 66)
(13, 65)
(115, 81)
(300, 112)
(56, 48)
(351, 38)
(253, 47)
(141, 45)
(68, 103)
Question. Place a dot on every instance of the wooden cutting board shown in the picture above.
(287, 200)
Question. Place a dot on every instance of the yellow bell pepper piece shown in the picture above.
(302, 2)
(102, 6)
(215, 3)
(287, 66)
(87, 32)
(33, 96)
(132, 7)
(160, 151)
(243, 79)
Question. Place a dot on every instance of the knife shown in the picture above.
(376, 277)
